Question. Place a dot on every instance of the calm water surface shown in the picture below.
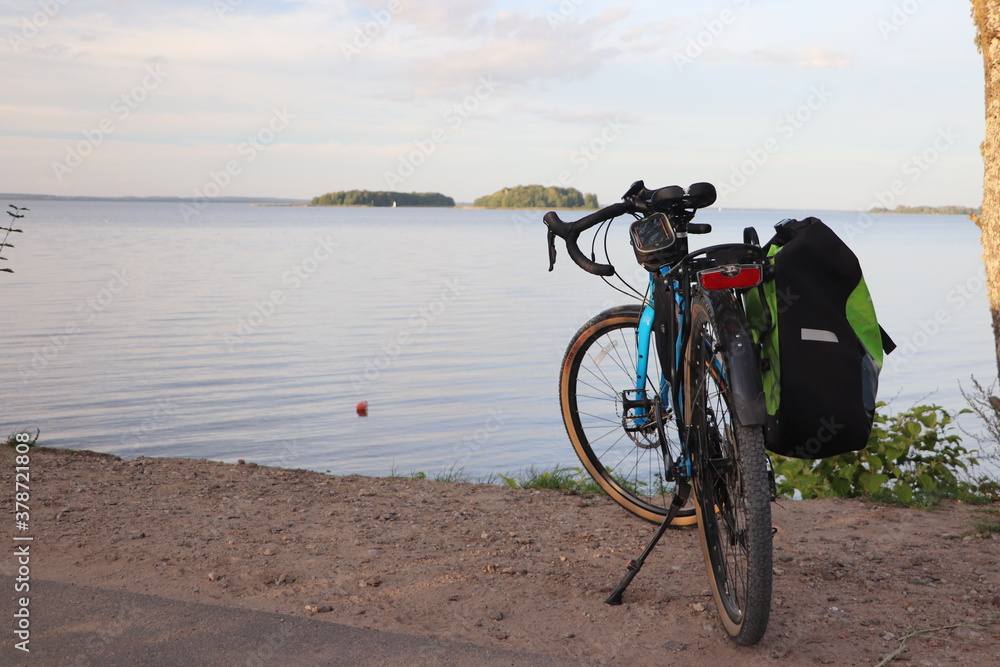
(253, 332)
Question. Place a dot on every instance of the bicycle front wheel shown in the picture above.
(624, 449)
(730, 481)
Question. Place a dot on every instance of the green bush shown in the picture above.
(912, 458)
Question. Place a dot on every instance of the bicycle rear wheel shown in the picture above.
(730, 481)
(621, 448)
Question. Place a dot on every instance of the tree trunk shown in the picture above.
(987, 16)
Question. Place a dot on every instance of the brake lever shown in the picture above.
(552, 249)
(634, 189)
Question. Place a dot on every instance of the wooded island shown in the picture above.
(522, 196)
(368, 198)
(537, 196)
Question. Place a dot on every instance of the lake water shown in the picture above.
(252, 332)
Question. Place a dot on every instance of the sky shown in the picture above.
(780, 104)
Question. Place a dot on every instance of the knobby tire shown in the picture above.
(730, 484)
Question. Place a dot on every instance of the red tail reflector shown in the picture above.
(731, 276)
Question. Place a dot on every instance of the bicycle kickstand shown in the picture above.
(633, 567)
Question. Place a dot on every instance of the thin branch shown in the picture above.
(15, 215)
(902, 642)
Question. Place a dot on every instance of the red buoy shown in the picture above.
(363, 409)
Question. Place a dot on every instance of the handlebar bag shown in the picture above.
(821, 345)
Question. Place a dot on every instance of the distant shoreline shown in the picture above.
(276, 201)
(9, 197)
(252, 201)
(929, 210)
(530, 208)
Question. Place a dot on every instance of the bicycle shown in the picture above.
(664, 398)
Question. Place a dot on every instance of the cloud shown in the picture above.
(562, 69)
(820, 58)
(645, 39)
(516, 47)
(439, 17)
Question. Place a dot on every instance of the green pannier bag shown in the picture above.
(821, 345)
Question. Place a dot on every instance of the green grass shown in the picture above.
(573, 480)
(987, 521)
(11, 440)
(453, 474)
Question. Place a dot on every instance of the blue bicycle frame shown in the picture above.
(644, 338)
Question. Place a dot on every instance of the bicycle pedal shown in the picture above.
(632, 403)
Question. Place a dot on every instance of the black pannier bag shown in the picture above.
(820, 342)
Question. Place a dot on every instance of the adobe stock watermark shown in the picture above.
(581, 313)
(87, 311)
(928, 328)
(562, 13)
(828, 429)
(416, 324)
(101, 642)
(453, 117)
(121, 108)
(475, 441)
(293, 278)
(32, 24)
(913, 169)
(785, 128)
(900, 15)
(713, 29)
(521, 219)
(582, 158)
(247, 150)
(223, 7)
(159, 416)
(289, 453)
(916, 166)
(265, 654)
(588, 153)
(371, 30)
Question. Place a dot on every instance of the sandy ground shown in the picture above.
(517, 569)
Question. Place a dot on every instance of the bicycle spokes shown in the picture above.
(625, 436)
